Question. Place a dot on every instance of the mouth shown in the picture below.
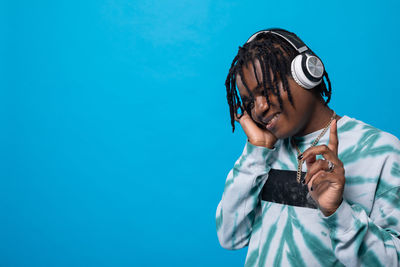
(270, 121)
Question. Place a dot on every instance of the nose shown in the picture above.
(261, 106)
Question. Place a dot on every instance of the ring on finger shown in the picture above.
(331, 166)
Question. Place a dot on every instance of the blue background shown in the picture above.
(115, 132)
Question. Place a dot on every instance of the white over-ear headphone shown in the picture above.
(307, 69)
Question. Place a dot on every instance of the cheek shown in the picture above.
(289, 124)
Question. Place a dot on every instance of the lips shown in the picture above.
(269, 118)
(270, 121)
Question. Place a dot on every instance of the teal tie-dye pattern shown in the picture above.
(234, 231)
(365, 147)
(294, 255)
(368, 257)
(395, 169)
(289, 150)
(219, 220)
(282, 165)
(357, 205)
(391, 197)
(279, 252)
(270, 235)
(229, 182)
(359, 180)
(391, 220)
(347, 127)
(267, 244)
(362, 148)
(321, 251)
(365, 229)
(383, 187)
(251, 259)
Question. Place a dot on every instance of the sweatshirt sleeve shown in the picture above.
(240, 201)
(359, 239)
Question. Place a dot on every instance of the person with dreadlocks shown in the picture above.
(311, 188)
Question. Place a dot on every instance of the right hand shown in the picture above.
(256, 135)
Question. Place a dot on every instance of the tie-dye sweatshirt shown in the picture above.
(264, 208)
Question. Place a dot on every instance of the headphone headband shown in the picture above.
(291, 38)
(306, 68)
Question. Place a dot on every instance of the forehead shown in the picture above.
(250, 79)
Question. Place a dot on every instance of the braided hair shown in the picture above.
(274, 55)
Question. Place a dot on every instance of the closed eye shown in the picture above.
(248, 104)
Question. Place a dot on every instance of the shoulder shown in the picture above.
(371, 156)
(364, 135)
(361, 144)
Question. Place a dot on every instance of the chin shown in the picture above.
(281, 134)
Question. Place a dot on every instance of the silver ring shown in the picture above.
(331, 166)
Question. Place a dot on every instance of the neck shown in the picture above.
(317, 120)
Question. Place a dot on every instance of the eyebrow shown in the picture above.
(251, 92)
(258, 87)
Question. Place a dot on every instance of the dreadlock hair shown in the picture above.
(274, 55)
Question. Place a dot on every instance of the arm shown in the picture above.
(359, 239)
(240, 200)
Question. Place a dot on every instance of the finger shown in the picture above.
(323, 150)
(318, 165)
(309, 162)
(322, 180)
(246, 119)
(239, 117)
(333, 138)
(249, 126)
(236, 116)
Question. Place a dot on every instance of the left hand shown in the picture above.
(325, 186)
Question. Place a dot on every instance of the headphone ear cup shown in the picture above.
(307, 70)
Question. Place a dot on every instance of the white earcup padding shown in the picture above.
(314, 69)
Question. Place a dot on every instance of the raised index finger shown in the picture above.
(333, 138)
